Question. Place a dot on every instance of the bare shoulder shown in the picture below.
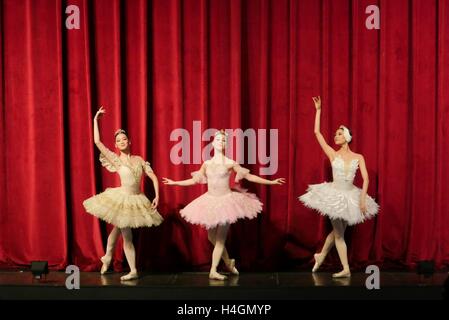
(333, 154)
(359, 156)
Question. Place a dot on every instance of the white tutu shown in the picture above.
(340, 199)
(337, 203)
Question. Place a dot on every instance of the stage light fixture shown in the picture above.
(425, 267)
(39, 269)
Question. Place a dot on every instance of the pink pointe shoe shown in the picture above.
(231, 267)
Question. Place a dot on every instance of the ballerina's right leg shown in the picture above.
(230, 263)
(319, 257)
(339, 232)
(130, 253)
(106, 259)
(220, 239)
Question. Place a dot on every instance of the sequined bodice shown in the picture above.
(130, 175)
(344, 172)
(130, 171)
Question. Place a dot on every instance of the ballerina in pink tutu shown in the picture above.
(126, 206)
(220, 206)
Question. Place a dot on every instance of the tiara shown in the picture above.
(223, 132)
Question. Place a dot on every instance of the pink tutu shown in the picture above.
(221, 205)
(210, 211)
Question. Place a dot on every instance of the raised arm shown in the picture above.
(97, 140)
(198, 177)
(108, 154)
(365, 177)
(98, 115)
(328, 150)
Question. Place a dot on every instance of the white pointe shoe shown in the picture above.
(318, 262)
(216, 276)
(231, 267)
(130, 276)
(106, 262)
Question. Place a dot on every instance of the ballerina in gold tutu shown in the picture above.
(124, 207)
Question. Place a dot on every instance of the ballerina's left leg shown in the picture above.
(230, 263)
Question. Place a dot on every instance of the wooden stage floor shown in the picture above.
(20, 285)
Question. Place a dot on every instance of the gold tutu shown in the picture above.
(123, 208)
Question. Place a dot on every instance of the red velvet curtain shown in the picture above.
(160, 65)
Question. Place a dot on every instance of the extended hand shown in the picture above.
(99, 113)
(168, 182)
(363, 208)
(279, 181)
(317, 101)
(155, 203)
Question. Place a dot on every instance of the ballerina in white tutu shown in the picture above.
(340, 200)
(124, 207)
(221, 206)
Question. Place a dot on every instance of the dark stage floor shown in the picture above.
(188, 286)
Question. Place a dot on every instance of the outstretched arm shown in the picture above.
(182, 183)
(256, 179)
(187, 182)
(365, 177)
(328, 150)
(243, 173)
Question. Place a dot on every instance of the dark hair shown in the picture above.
(119, 131)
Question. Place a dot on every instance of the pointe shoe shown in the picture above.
(342, 274)
(217, 276)
(231, 267)
(106, 261)
(130, 276)
(318, 262)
